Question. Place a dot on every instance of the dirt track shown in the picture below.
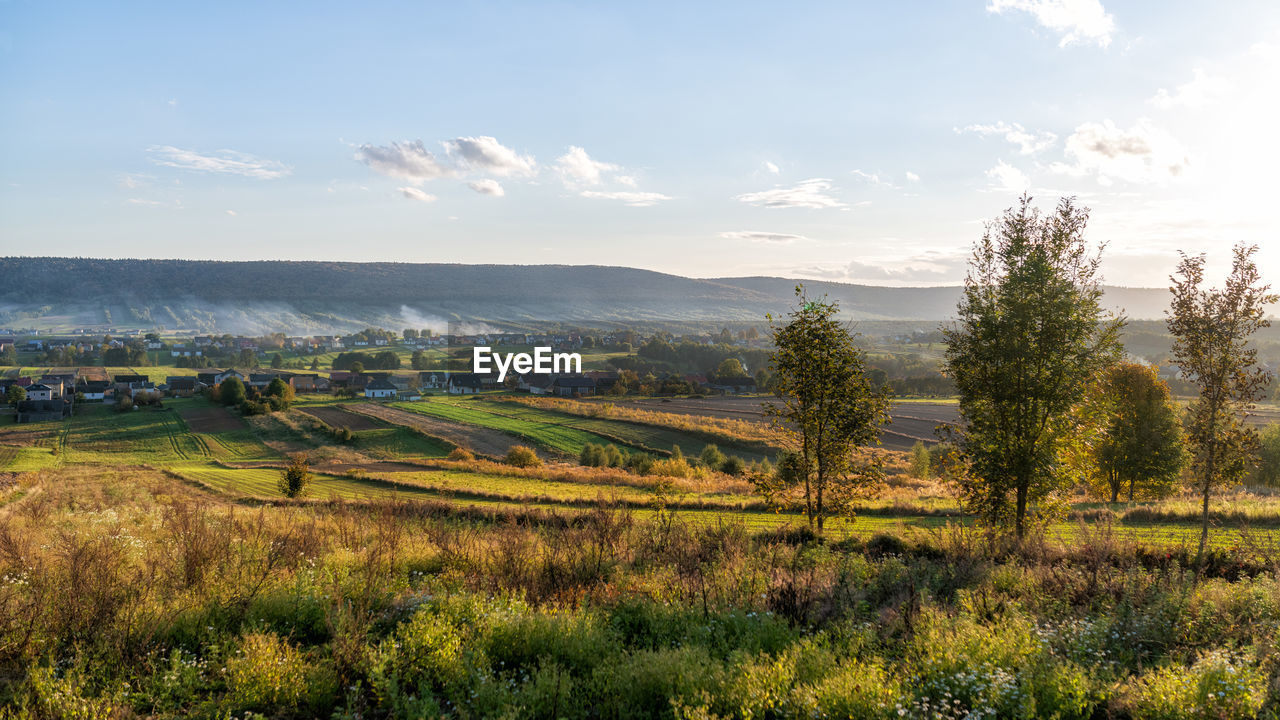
(476, 439)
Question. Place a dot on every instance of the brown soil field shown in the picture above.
(211, 420)
(342, 417)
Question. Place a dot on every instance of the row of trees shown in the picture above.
(1045, 400)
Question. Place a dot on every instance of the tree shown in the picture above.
(386, 360)
(295, 477)
(920, 461)
(730, 368)
(1141, 446)
(281, 392)
(410, 334)
(1211, 330)
(248, 358)
(1269, 456)
(231, 391)
(418, 361)
(1030, 335)
(357, 368)
(15, 394)
(277, 361)
(827, 407)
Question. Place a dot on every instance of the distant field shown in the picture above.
(554, 436)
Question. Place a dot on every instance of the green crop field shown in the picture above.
(557, 437)
(617, 431)
(399, 442)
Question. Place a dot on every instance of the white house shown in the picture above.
(39, 391)
(380, 390)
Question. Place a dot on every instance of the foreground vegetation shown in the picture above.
(128, 593)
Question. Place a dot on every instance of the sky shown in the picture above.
(852, 141)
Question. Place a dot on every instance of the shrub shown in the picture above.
(295, 478)
(1216, 686)
(712, 457)
(266, 673)
(921, 465)
(461, 454)
(733, 465)
(523, 457)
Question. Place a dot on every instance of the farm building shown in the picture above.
(96, 390)
(43, 410)
(573, 385)
(39, 391)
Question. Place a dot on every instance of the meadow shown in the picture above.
(150, 567)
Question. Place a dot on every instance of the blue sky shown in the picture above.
(863, 142)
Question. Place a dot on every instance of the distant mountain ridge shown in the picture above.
(300, 296)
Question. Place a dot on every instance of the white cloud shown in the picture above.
(1141, 154)
(631, 198)
(1007, 178)
(486, 154)
(231, 213)
(229, 162)
(811, 193)
(912, 177)
(1074, 20)
(404, 160)
(1201, 90)
(1028, 142)
(415, 194)
(576, 166)
(763, 237)
(873, 178)
(487, 187)
(771, 168)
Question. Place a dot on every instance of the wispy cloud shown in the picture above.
(771, 168)
(414, 193)
(229, 162)
(1075, 21)
(874, 178)
(763, 237)
(1202, 90)
(628, 197)
(1007, 178)
(811, 193)
(1028, 142)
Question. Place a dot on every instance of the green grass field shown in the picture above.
(556, 437)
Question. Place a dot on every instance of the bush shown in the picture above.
(1268, 472)
(523, 457)
(461, 454)
(1216, 686)
(266, 673)
(712, 457)
(295, 478)
(921, 464)
(733, 465)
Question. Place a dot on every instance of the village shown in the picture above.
(126, 368)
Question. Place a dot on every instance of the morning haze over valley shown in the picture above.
(689, 361)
